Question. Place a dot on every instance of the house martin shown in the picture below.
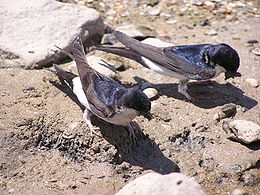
(101, 95)
(196, 62)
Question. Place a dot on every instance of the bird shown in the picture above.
(196, 62)
(102, 96)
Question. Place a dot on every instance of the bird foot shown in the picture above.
(86, 116)
(132, 133)
(92, 131)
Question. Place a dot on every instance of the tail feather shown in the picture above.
(121, 51)
(64, 75)
(78, 55)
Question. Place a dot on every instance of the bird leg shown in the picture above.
(182, 88)
(131, 131)
(87, 117)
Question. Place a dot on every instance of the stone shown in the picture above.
(100, 66)
(154, 184)
(252, 82)
(156, 42)
(252, 41)
(130, 30)
(152, 11)
(151, 93)
(30, 29)
(74, 126)
(109, 39)
(228, 110)
(211, 33)
(256, 51)
(238, 191)
(172, 21)
(244, 131)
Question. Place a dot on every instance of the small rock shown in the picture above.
(256, 51)
(252, 82)
(109, 39)
(101, 66)
(151, 93)
(211, 33)
(153, 11)
(252, 41)
(29, 88)
(171, 21)
(228, 110)
(154, 183)
(156, 42)
(209, 5)
(131, 31)
(198, 3)
(239, 192)
(245, 131)
(73, 126)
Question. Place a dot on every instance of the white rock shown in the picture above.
(256, 51)
(239, 192)
(130, 30)
(245, 131)
(157, 184)
(151, 93)
(101, 66)
(156, 42)
(171, 21)
(153, 11)
(73, 126)
(253, 82)
(30, 29)
(211, 33)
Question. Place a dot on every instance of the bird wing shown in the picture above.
(163, 56)
(89, 80)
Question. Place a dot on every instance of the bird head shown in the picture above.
(225, 56)
(137, 100)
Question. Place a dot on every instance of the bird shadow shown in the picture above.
(145, 153)
(209, 94)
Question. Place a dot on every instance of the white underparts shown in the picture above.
(219, 69)
(78, 91)
(161, 70)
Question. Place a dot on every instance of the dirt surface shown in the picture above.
(46, 147)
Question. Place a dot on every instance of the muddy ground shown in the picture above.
(46, 147)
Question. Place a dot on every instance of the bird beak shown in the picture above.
(147, 115)
(232, 75)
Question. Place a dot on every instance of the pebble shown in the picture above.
(172, 21)
(109, 39)
(256, 51)
(226, 111)
(244, 131)
(156, 42)
(29, 88)
(209, 5)
(101, 66)
(154, 183)
(151, 93)
(130, 30)
(239, 192)
(211, 33)
(252, 82)
(252, 41)
(153, 11)
(73, 126)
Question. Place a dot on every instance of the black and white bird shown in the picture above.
(101, 95)
(196, 62)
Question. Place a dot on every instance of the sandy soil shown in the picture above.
(46, 147)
